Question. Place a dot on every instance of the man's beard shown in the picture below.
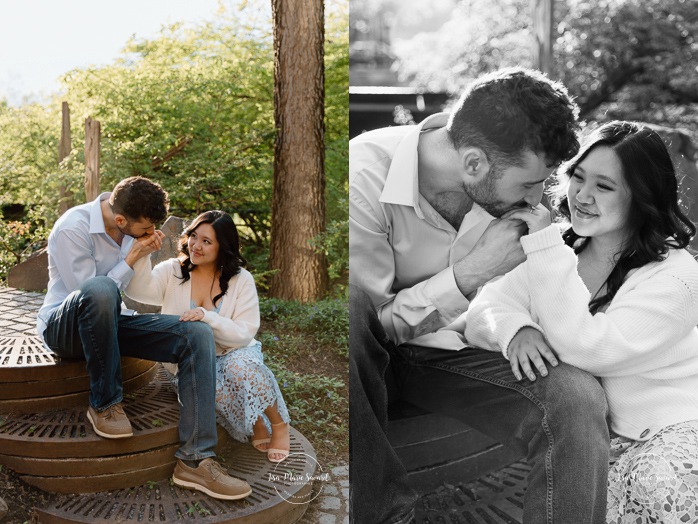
(484, 194)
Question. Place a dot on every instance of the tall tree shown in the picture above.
(298, 198)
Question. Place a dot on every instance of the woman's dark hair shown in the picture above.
(510, 111)
(656, 221)
(229, 258)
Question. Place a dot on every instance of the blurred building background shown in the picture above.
(379, 95)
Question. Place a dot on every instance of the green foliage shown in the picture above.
(17, 240)
(317, 403)
(326, 320)
(631, 57)
(335, 240)
(193, 110)
(307, 349)
(29, 171)
(196, 508)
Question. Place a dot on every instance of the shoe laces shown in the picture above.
(216, 469)
(114, 410)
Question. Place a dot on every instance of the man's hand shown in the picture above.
(498, 251)
(527, 347)
(144, 246)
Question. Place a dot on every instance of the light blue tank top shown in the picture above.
(216, 309)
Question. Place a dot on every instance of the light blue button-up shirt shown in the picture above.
(79, 248)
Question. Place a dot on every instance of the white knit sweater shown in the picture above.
(644, 347)
(237, 321)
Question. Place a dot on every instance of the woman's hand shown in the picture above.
(536, 218)
(192, 315)
(525, 348)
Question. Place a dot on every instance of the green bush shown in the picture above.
(326, 320)
(17, 240)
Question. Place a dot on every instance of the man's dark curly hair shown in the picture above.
(136, 198)
(513, 110)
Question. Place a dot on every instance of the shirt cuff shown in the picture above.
(442, 291)
(121, 274)
(543, 239)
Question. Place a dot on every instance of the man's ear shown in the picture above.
(474, 162)
(120, 220)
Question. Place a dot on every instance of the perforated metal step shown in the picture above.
(494, 498)
(280, 494)
(33, 379)
(66, 433)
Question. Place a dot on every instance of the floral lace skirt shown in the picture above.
(245, 387)
(655, 481)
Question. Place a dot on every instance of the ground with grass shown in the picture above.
(306, 346)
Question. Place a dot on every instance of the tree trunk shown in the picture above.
(92, 137)
(298, 199)
(64, 148)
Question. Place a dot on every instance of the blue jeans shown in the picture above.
(557, 422)
(88, 325)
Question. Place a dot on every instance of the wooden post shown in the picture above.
(64, 148)
(543, 35)
(92, 136)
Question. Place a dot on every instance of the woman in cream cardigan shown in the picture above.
(616, 294)
(207, 283)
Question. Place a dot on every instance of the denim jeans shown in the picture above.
(557, 422)
(88, 325)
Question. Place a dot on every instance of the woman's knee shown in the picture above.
(240, 370)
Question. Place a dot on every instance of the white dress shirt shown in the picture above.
(401, 251)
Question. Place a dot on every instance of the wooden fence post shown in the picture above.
(543, 35)
(64, 148)
(92, 136)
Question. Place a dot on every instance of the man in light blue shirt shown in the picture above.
(92, 250)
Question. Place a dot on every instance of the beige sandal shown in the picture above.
(273, 451)
(258, 441)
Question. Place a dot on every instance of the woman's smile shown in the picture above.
(584, 214)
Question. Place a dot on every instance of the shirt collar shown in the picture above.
(96, 218)
(402, 183)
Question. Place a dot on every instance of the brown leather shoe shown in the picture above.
(212, 479)
(110, 423)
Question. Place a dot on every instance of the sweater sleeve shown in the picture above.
(238, 329)
(149, 286)
(632, 335)
(499, 312)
